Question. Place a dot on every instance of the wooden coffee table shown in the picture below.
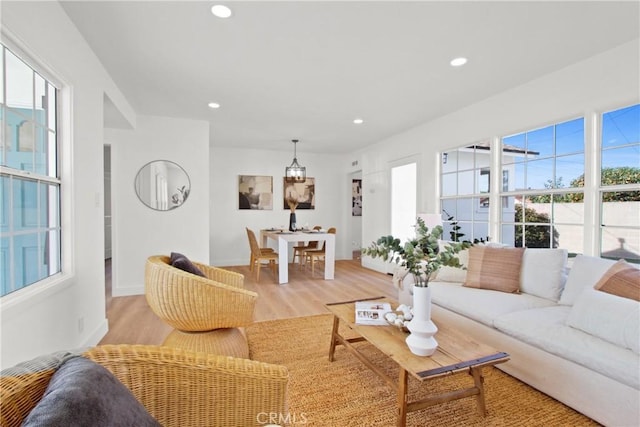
(456, 353)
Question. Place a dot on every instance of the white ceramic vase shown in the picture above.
(421, 341)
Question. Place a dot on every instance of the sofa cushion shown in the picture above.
(610, 317)
(547, 329)
(183, 263)
(585, 273)
(453, 274)
(481, 305)
(544, 272)
(83, 393)
(622, 279)
(494, 268)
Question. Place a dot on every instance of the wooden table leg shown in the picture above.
(478, 379)
(334, 339)
(402, 398)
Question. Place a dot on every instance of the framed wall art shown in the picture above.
(255, 192)
(301, 194)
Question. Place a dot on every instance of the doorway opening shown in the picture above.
(403, 200)
(107, 225)
(356, 214)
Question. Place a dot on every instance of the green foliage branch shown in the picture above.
(421, 255)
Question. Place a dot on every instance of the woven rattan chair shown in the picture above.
(258, 256)
(315, 255)
(263, 251)
(200, 308)
(252, 259)
(191, 303)
(298, 251)
(224, 341)
(177, 387)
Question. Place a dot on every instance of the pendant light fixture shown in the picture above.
(295, 172)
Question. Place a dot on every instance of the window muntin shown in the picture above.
(30, 240)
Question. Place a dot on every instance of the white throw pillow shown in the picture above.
(453, 274)
(543, 272)
(585, 273)
(609, 317)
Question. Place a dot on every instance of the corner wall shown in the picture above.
(139, 231)
(68, 310)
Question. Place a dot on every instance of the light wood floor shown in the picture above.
(131, 321)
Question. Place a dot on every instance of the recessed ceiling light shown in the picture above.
(358, 121)
(221, 11)
(214, 105)
(457, 62)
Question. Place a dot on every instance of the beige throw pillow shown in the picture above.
(622, 279)
(494, 268)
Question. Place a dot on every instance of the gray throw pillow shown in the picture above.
(83, 393)
(183, 263)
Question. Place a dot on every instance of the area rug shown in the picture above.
(347, 393)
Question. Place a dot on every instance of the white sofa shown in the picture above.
(543, 328)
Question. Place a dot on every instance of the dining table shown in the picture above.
(285, 237)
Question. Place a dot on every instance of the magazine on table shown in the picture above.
(371, 312)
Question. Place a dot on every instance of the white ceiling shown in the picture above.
(306, 69)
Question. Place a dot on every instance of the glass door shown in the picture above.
(403, 200)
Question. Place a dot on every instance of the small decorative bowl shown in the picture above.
(397, 319)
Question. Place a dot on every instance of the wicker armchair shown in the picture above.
(208, 313)
(191, 303)
(177, 387)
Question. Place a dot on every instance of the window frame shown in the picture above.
(53, 283)
(553, 192)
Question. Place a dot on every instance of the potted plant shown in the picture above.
(421, 257)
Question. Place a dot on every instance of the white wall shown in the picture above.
(140, 231)
(604, 82)
(228, 241)
(67, 311)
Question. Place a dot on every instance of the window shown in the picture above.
(620, 184)
(543, 205)
(465, 183)
(546, 184)
(29, 181)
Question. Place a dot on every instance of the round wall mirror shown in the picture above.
(162, 185)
